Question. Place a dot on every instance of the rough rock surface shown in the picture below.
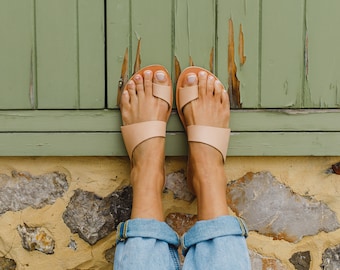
(7, 264)
(110, 253)
(259, 262)
(336, 168)
(94, 217)
(331, 258)
(180, 223)
(22, 190)
(177, 183)
(34, 238)
(273, 209)
(301, 260)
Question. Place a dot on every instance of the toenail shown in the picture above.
(160, 76)
(137, 77)
(202, 73)
(210, 78)
(147, 72)
(191, 78)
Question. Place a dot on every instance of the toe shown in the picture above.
(160, 77)
(138, 79)
(148, 82)
(218, 90)
(225, 98)
(190, 80)
(210, 85)
(202, 83)
(131, 88)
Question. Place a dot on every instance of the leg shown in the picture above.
(145, 240)
(217, 240)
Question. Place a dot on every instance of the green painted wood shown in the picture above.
(282, 53)
(110, 121)
(57, 54)
(322, 88)
(129, 21)
(118, 40)
(17, 55)
(151, 21)
(91, 47)
(111, 144)
(247, 14)
(194, 31)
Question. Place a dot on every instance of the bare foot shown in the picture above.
(138, 104)
(205, 165)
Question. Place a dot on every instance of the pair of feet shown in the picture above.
(205, 165)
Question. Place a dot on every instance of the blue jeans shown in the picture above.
(209, 244)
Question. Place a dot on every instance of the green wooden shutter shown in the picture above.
(60, 65)
(17, 54)
(52, 54)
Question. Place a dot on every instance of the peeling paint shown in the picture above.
(234, 83)
(177, 69)
(241, 47)
(138, 60)
(191, 61)
(211, 60)
(123, 75)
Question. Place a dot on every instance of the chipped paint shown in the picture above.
(191, 61)
(211, 60)
(138, 60)
(177, 69)
(123, 75)
(241, 47)
(234, 83)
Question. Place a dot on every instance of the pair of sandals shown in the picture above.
(137, 133)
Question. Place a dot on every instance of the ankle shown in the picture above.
(205, 154)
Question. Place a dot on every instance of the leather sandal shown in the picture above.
(212, 136)
(137, 133)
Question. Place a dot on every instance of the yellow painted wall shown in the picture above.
(103, 175)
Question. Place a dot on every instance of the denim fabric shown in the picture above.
(216, 244)
(209, 244)
(146, 244)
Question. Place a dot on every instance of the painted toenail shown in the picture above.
(160, 76)
(210, 78)
(191, 78)
(147, 72)
(202, 73)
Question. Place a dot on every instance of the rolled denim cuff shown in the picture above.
(147, 228)
(205, 230)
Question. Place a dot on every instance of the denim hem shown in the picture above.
(205, 230)
(147, 228)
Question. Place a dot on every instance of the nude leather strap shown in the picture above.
(213, 136)
(186, 95)
(135, 134)
(163, 92)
